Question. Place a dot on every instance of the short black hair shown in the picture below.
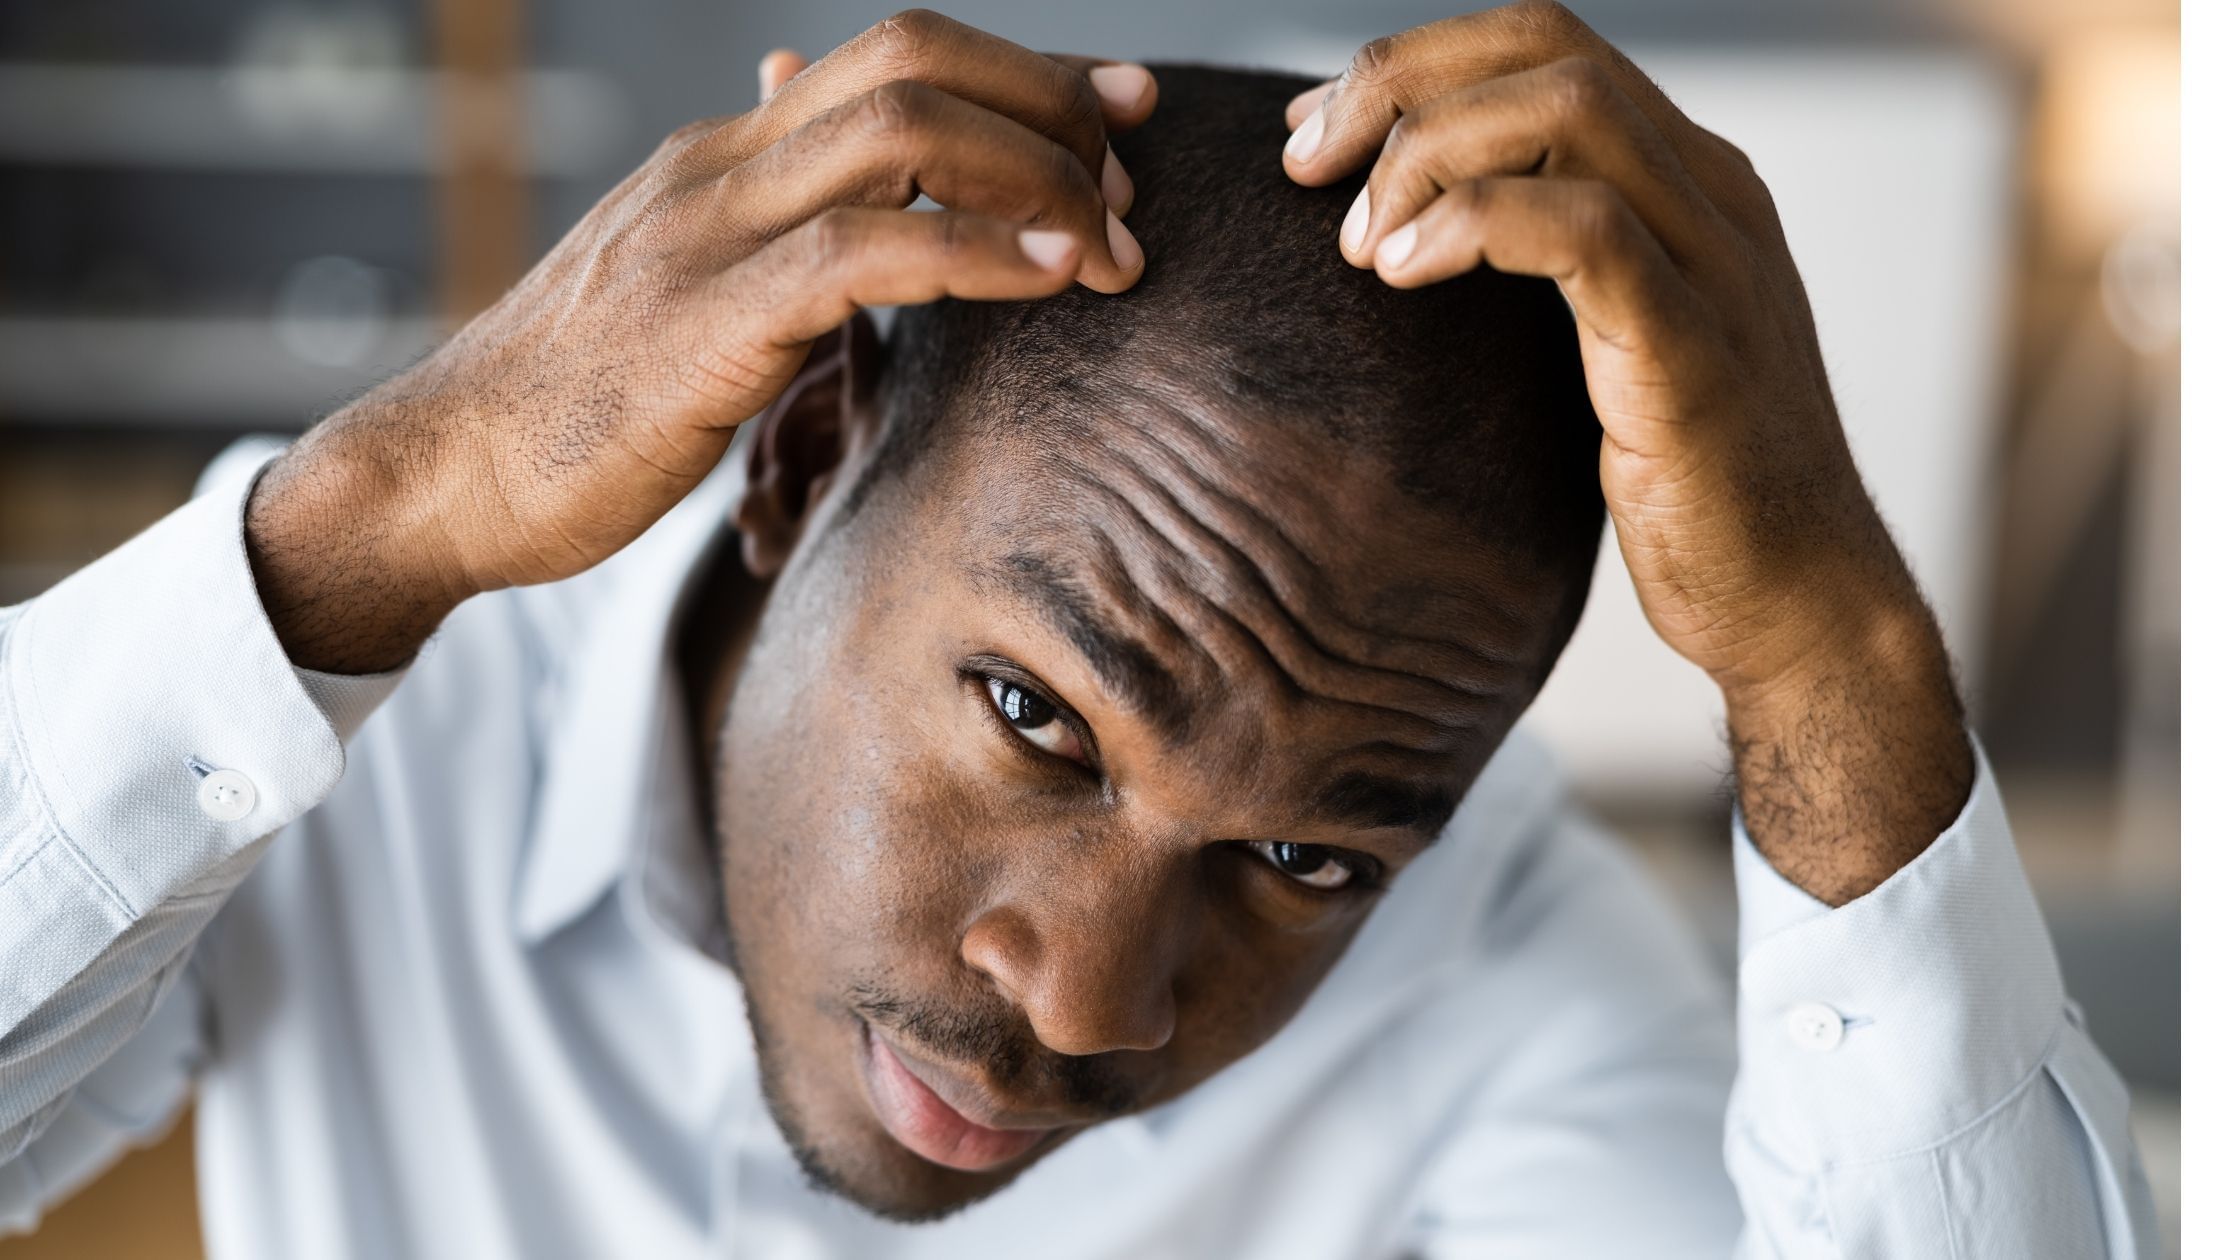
(1471, 391)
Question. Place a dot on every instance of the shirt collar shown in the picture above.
(617, 784)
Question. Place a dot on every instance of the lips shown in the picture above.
(926, 1123)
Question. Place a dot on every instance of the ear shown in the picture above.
(803, 440)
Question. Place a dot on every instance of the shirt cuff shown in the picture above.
(141, 676)
(1890, 1022)
(348, 700)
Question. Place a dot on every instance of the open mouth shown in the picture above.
(924, 1122)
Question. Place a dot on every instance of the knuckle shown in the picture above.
(894, 108)
(1549, 19)
(734, 201)
(1081, 111)
(1599, 218)
(907, 36)
(1734, 152)
(830, 240)
(1373, 62)
(1580, 87)
(1477, 199)
(951, 238)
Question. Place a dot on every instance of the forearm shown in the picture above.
(1854, 762)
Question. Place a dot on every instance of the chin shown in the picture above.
(852, 1158)
(819, 1103)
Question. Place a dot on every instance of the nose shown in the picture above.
(1092, 960)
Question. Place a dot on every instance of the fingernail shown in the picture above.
(1051, 251)
(1307, 138)
(1122, 86)
(1356, 227)
(1397, 247)
(766, 75)
(1312, 95)
(1125, 252)
(1119, 190)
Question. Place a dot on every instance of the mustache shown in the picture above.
(998, 1043)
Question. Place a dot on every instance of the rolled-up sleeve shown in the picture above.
(1913, 1080)
(153, 734)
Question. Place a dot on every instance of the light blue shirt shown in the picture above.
(462, 997)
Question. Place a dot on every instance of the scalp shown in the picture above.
(1468, 395)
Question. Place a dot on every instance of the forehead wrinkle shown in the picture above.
(1305, 594)
(1253, 652)
(1126, 668)
(1356, 797)
(1310, 670)
(1224, 624)
(1119, 578)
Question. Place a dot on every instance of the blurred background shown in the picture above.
(229, 216)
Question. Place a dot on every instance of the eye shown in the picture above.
(1037, 720)
(1316, 866)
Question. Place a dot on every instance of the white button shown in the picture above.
(226, 795)
(1815, 1026)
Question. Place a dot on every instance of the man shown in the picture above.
(1030, 733)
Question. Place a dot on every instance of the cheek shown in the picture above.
(1244, 987)
(848, 835)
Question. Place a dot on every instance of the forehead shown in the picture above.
(1254, 593)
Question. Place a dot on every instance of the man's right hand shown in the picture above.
(565, 420)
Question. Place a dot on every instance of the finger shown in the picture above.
(899, 140)
(1567, 119)
(1385, 78)
(1579, 233)
(1390, 76)
(1055, 100)
(813, 278)
(776, 68)
(1304, 103)
(1129, 92)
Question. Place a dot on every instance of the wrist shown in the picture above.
(1855, 650)
(1855, 758)
(348, 555)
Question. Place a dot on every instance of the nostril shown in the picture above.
(1085, 983)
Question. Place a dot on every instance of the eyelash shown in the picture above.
(978, 675)
(1368, 873)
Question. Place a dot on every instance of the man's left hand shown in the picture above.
(1519, 138)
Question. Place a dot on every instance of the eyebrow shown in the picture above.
(1129, 670)
(1126, 668)
(1375, 800)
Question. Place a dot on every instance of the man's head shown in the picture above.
(1116, 650)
